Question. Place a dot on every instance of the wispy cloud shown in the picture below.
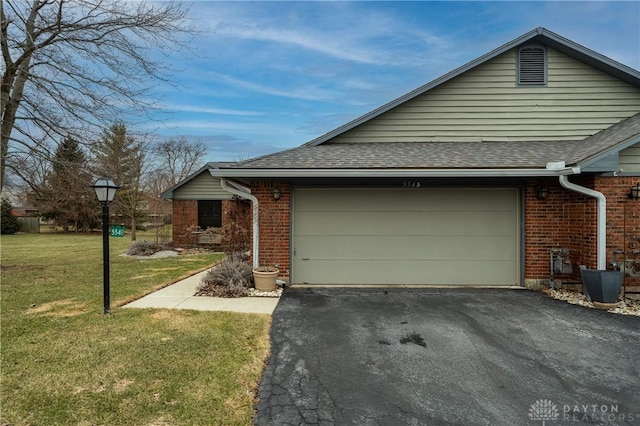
(209, 110)
(307, 40)
(308, 92)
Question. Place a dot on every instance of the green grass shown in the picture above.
(65, 363)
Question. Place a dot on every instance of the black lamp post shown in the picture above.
(105, 192)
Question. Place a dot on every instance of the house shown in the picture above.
(488, 175)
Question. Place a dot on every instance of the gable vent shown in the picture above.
(532, 66)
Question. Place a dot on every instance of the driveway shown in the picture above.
(447, 357)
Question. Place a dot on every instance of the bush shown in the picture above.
(231, 278)
(143, 248)
(10, 224)
(236, 238)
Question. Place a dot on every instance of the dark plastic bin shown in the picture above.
(602, 286)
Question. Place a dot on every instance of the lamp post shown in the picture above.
(105, 192)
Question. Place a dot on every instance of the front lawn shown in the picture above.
(64, 362)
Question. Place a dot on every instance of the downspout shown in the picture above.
(244, 192)
(601, 251)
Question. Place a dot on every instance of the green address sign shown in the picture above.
(117, 231)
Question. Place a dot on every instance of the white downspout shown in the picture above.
(601, 218)
(244, 192)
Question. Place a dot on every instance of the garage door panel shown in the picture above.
(452, 236)
(318, 247)
(436, 199)
(406, 223)
(408, 272)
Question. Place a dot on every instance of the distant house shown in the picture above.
(25, 211)
(28, 217)
(477, 178)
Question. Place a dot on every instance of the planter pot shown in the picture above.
(265, 278)
(602, 286)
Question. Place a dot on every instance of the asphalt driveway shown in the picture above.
(445, 357)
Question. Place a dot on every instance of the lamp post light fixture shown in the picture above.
(105, 192)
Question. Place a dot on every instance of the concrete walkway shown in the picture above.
(181, 296)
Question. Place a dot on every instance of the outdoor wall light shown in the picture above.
(634, 194)
(105, 192)
(541, 193)
(276, 194)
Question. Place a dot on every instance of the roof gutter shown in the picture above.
(244, 192)
(601, 232)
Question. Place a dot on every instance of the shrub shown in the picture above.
(231, 278)
(10, 224)
(236, 238)
(143, 248)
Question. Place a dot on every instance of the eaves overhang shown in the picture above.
(382, 173)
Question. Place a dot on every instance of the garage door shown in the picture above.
(446, 236)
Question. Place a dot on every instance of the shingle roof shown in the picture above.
(406, 155)
(621, 135)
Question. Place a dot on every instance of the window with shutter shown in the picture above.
(532, 66)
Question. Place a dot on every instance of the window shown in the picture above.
(209, 214)
(532, 65)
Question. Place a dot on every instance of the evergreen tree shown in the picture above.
(10, 224)
(122, 158)
(67, 197)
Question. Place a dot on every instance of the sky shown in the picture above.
(268, 76)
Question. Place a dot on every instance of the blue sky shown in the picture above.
(268, 76)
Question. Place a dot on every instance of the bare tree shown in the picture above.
(71, 66)
(175, 159)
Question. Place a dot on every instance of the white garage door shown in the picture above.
(447, 236)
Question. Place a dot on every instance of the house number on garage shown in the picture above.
(411, 184)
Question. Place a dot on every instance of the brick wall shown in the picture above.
(566, 219)
(274, 219)
(623, 219)
(185, 218)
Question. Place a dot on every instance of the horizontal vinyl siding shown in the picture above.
(202, 187)
(630, 159)
(486, 104)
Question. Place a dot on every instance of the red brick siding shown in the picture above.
(623, 218)
(185, 218)
(274, 219)
(568, 219)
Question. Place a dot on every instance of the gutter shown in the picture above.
(601, 232)
(244, 192)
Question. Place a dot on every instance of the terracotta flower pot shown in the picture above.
(265, 278)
